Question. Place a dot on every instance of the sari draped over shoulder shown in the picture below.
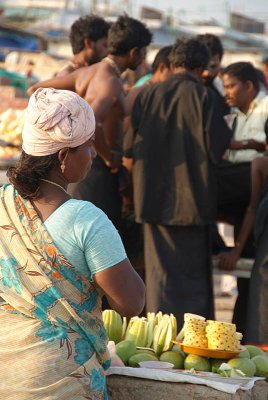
(53, 344)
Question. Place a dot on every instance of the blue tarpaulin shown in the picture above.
(15, 41)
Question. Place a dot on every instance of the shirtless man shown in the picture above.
(88, 38)
(101, 86)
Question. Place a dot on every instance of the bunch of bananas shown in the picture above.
(156, 331)
(114, 324)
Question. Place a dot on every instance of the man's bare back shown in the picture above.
(100, 85)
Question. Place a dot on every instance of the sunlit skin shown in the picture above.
(101, 86)
(79, 161)
(240, 94)
(237, 93)
(99, 50)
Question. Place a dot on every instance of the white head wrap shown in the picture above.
(56, 119)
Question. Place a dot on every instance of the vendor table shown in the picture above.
(128, 388)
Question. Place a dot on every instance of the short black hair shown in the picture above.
(189, 53)
(261, 78)
(244, 71)
(127, 33)
(213, 43)
(162, 57)
(90, 27)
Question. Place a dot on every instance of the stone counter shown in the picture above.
(128, 388)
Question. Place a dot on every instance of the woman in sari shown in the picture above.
(58, 256)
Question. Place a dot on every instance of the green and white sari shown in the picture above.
(53, 344)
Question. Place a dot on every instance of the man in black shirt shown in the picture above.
(175, 148)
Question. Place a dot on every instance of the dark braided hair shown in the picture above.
(26, 174)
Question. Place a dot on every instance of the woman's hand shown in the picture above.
(228, 260)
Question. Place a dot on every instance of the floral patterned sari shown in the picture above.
(53, 344)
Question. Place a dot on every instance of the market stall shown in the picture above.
(129, 388)
(205, 359)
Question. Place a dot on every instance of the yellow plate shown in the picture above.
(207, 352)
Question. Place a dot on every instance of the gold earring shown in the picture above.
(62, 166)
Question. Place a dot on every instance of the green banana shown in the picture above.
(159, 336)
(164, 333)
(137, 331)
(113, 324)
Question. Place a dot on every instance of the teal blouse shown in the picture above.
(88, 239)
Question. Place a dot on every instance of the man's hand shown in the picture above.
(247, 144)
(115, 160)
(228, 260)
(253, 144)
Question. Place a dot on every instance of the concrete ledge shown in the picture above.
(126, 388)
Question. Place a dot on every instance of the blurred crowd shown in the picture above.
(181, 146)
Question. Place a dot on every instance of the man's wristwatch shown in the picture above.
(245, 143)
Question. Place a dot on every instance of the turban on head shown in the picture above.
(56, 119)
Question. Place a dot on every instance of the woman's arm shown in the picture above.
(123, 287)
(259, 171)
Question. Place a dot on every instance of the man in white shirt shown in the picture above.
(241, 89)
(248, 121)
(250, 114)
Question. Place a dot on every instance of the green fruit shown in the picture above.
(215, 363)
(244, 353)
(113, 324)
(125, 350)
(137, 331)
(254, 351)
(176, 348)
(140, 351)
(134, 360)
(174, 357)
(197, 362)
(244, 364)
(261, 363)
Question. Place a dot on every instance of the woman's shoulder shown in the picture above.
(77, 212)
(78, 208)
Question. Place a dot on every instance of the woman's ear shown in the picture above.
(62, 154)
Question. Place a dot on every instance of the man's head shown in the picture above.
(129, 37)
(241, 84)
(89, 35)
(161, 64)
(216, 52)
(191, 55)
